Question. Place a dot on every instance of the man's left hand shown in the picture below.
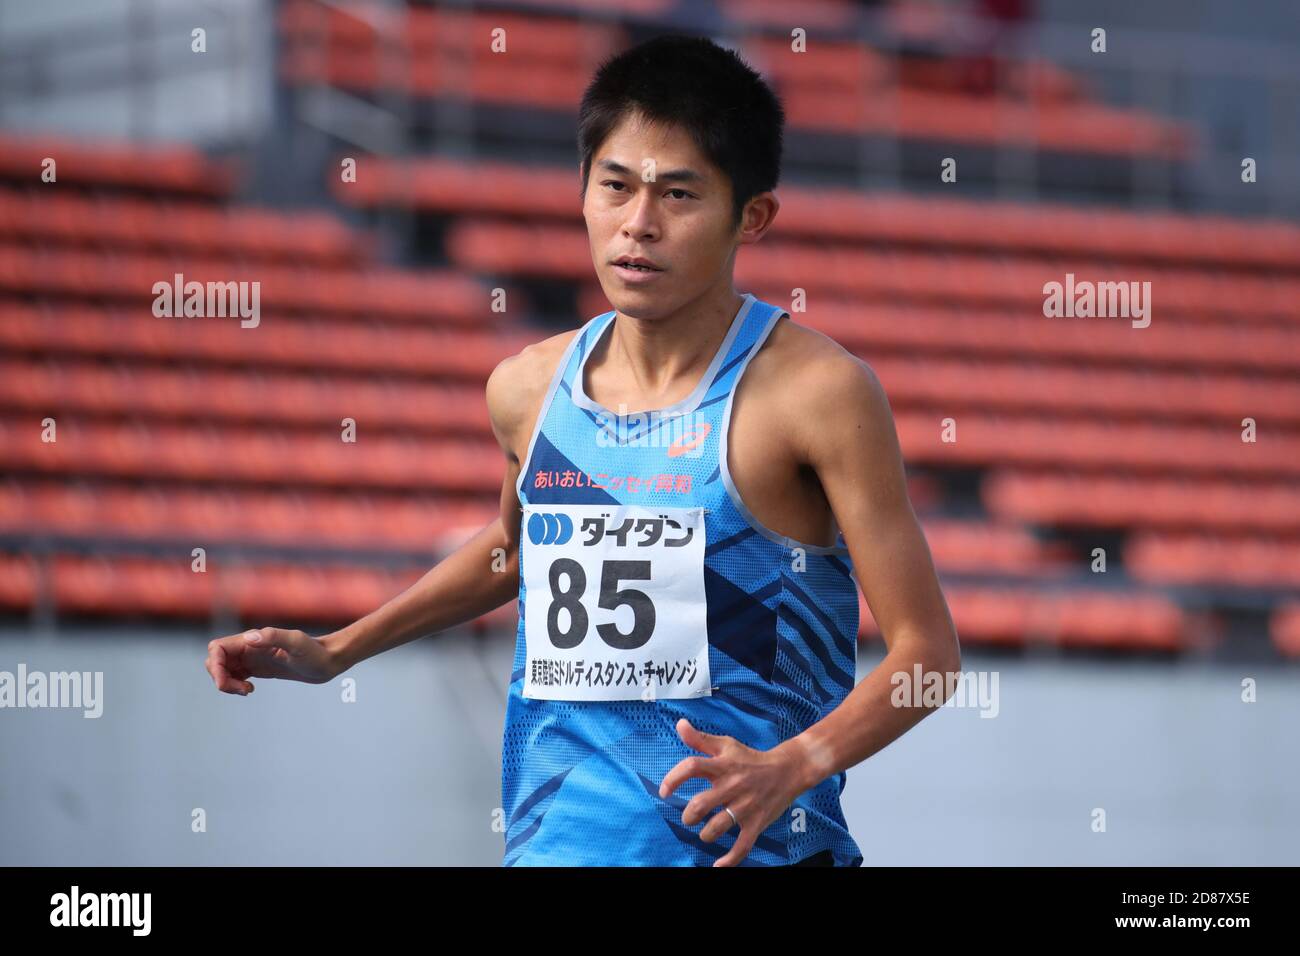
(756, 785)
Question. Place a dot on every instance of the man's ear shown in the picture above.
(769, 205)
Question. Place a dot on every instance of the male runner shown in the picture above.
(695, 488)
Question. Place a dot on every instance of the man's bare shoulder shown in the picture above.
(518, 384)
(803, 382)
(803, 368)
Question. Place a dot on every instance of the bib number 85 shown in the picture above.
(611, 597)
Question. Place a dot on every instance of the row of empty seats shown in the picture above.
(289, 516)
(873, 328)
(1206, 560)
(1270, 306)
(430, 295)
(134, 585)
(954, 386)
(277, 342)
(980, 438)
(977, 439)
(263, 397)
(561, 252)
(487, 186)
(156, 169)
(1065, 499)
(247, 454)
(1073, 617)
(326, 594)
(837, 87)
(46, 214)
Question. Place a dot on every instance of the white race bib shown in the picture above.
(614, 603)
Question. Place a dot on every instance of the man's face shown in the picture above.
(652, 195)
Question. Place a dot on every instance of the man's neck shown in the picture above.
(649, 357)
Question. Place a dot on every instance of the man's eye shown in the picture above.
(682, 193)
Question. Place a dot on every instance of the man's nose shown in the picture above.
(642, 219)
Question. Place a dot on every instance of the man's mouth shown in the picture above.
(636, 274)
(635, 264)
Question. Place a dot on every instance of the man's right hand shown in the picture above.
(268, 652)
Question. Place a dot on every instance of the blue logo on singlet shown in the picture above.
(545, 528)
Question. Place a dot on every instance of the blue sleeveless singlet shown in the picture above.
(580, 777)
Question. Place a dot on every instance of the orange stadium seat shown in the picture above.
(284, 342)
(1069, 619)
(1285, 628)
(18, 581)
(132, 585)
(1119, 501)
(258, 234)
(159, 169)
(181, 452)
(449, 297)
(1165, 558)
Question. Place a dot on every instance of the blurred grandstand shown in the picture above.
(1075, 434)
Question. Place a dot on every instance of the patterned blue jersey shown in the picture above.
(777, 650)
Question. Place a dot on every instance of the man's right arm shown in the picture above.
(483, 573)
(478, 577)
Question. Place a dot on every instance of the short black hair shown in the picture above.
(732, 115)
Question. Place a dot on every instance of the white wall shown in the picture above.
(410, 773)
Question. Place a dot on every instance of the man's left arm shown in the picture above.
(853, 448)
(839, 422)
